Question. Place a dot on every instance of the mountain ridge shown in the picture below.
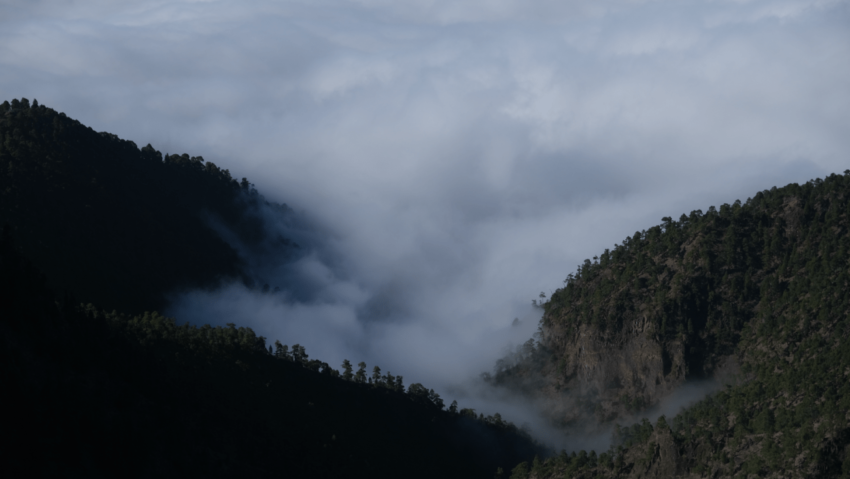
(109, 390)
(87, 206)
(706, 296)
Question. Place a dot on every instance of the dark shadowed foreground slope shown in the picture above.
(89, 394)
(118, 225)
(93, 394)
(754, 295)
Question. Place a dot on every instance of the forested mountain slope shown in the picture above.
(91, 393)
(95, 394)
(119, 225)
(760, 289)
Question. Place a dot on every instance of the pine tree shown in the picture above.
(360, 376)
(346, 370)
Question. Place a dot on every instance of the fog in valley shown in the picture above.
(447, 161)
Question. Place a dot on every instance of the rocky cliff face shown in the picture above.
(665, 307)
(618, 377)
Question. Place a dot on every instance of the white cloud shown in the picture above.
(459, 156)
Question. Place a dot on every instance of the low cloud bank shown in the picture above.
(433, 332)
(447, 160)
(398, 318)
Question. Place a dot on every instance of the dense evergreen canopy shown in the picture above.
(764, 284)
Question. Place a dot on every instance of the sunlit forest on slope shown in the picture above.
(762, 285)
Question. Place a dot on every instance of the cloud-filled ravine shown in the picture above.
(446, 161)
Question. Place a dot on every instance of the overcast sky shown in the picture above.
(459, 156)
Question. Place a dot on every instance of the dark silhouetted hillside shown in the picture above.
(90, 393)
(118, 225)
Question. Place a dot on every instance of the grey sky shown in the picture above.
(461, 155)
